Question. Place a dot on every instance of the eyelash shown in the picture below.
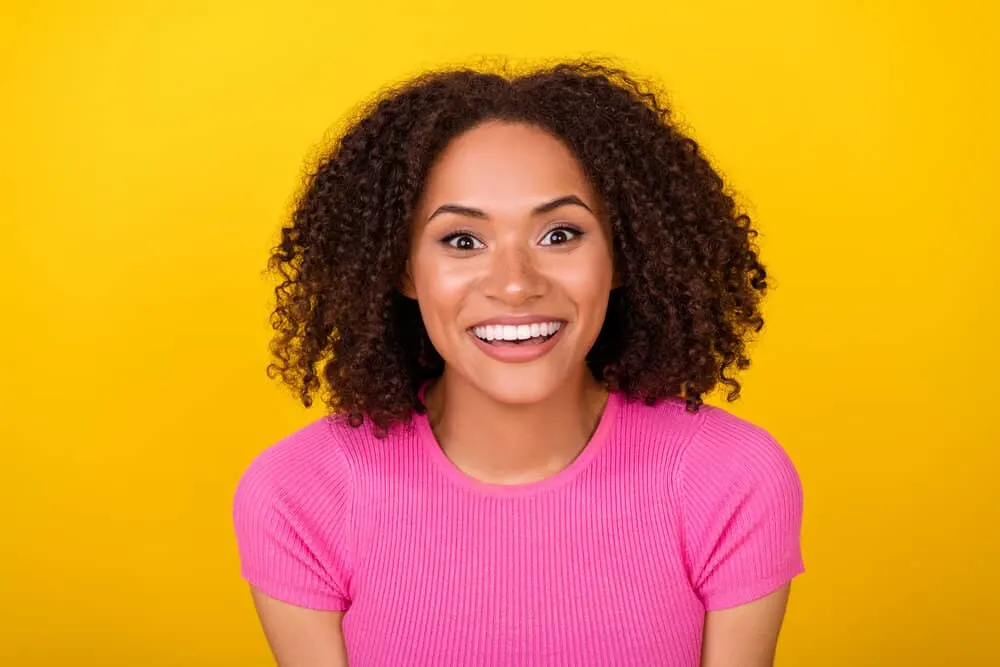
(447, 240)
(573, 231)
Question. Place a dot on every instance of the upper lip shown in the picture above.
(514, 320)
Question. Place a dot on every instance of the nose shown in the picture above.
(514, 277)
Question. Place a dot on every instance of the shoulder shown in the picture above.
(294, 516)
(709, 447)
(726, 449)
(310, 465)
(739, 504)
(304, 461)
(322, 459)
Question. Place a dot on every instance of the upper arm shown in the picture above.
(741, 501)
(746, 635)
(292, 514)
(742, 519)
(301, 637)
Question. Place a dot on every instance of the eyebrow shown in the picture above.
(547, 207)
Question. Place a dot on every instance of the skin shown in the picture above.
(488, 241)
(556, 264)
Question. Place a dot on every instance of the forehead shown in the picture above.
(504, 166)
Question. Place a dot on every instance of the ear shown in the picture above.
(406, 287)
(616, 271)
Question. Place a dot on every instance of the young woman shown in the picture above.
(512, 294)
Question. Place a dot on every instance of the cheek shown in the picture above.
(588, 284)
(441, 288)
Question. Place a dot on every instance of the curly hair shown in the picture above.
(690, 280)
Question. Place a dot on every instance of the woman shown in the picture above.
(513, 294)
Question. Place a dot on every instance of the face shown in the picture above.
(511, 263)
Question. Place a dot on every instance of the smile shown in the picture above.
(517, 333)
(518, 343)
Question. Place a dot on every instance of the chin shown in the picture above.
(521, 395)
(519, 384)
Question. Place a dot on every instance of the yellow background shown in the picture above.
(150, 152)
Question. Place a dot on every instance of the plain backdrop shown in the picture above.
(149, 152)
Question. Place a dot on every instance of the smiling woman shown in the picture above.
(513, 294)
(500, 253)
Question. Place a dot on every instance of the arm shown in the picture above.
(746, 635)
(292, 514)
(301, 637)
(742, 521)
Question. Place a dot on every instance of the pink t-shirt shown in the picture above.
(612, 561)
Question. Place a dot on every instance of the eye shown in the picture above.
(463, 241)
(560, 235)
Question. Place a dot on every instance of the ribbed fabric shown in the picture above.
(612, 561)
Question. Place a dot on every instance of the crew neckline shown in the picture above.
(461, 479)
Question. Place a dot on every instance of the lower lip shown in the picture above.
(518, 353)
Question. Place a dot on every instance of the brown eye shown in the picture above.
(462, 241)
(560, 235)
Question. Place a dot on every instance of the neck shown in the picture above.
(513, 444)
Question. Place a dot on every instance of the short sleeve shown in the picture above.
(742, 502)
(292, 516)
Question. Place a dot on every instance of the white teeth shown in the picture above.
(513, 332)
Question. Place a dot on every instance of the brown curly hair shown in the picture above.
(690, 280)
